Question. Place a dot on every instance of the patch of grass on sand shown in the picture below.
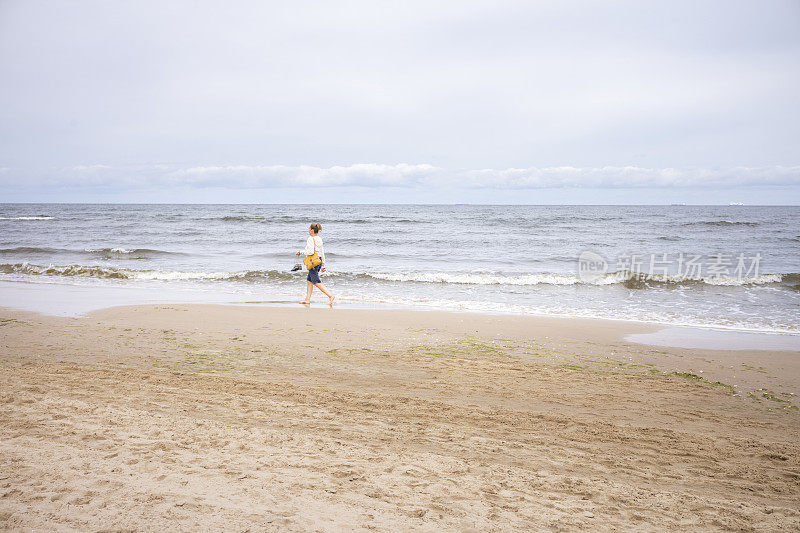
(687, 375)
(570, 366)
(769, 395)
(585, 360)
(755, 369)
(463, 348)
(483, 348)
(616, 363)
(694, 377)
(487, 349)
(9, 321)
(766, 394)
(701, 379)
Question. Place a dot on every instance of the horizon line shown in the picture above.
(408, 204)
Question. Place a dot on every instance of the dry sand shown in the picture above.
(243, 418)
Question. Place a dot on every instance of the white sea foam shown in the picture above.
(112, 250)
(566, 279)
(420, 277)
(485, 279)
(752, 280)
(630, 314)
(174, 275)
(27, 218)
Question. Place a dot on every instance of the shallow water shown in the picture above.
(709, 339)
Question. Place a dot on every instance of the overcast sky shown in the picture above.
(434, 101)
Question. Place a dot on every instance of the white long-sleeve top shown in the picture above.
(311, 243)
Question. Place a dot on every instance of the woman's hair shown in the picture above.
(316, 228)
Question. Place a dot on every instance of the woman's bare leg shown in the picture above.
(328, 293)
(309, 288)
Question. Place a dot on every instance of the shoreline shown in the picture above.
(237, 417)
(78, 300)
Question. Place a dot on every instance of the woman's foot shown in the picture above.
(332, 298)
(305, 302)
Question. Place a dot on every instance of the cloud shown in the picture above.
(363, 175)
(630, 177)
(403, 175)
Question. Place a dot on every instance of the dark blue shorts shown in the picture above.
(313, 275)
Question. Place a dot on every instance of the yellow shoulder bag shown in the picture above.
(310, 261)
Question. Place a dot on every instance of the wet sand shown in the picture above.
(187, 417)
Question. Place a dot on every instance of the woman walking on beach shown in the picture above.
(314, 246)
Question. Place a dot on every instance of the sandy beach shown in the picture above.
(203, 417)
(399, 267)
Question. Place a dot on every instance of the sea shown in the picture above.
(724, 267)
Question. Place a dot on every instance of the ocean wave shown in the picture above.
(120, 252)
(244, 276)
(109, 251)
(34, 217)
(32, 250)
(483, 279)
(142, 275)
(627, 279)
(639, 281)
(794, 277)
(133, 251)
(241, 219)
(392, 218)
(68, 270)
(721, 223)
(630, 280)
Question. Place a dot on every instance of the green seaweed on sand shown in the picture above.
(769, 395)
(701, 379)
(686, 375)
(694, 377)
